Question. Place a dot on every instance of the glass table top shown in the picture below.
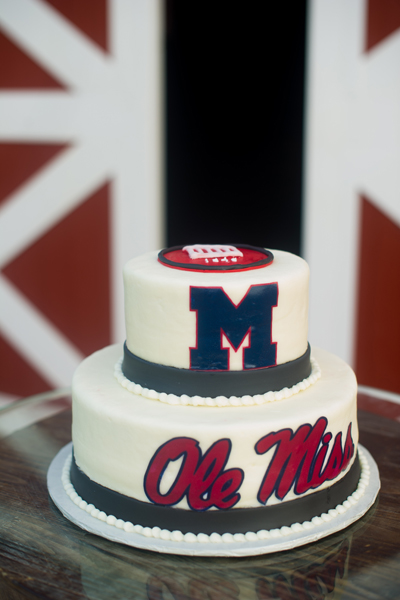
(42, 555)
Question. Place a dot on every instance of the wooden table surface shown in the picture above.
(42, 555)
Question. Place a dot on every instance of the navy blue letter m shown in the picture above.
(216, 314)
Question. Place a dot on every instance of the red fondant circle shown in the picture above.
(253, 258)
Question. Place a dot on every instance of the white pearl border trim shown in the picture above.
(219, 401)
(203, 538)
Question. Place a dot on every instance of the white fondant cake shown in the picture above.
(216, 421)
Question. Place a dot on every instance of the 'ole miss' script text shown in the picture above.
(302, 461)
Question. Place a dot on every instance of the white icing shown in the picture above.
(116, 432)
(161, 328)
(219, 401)
(118, 425)
(227, 538)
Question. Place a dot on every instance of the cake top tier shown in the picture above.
(228, 319)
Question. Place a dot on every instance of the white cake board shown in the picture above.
(234, 549)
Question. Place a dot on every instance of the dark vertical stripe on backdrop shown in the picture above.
(234, 119)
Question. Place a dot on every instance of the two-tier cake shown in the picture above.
(216, 423)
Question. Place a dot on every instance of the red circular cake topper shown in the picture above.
(215, 257)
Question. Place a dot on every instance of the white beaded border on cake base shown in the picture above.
(203, 538)
(278, 540)
(219, 401)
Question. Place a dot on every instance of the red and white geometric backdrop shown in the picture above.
(80, 177)
(81, 180)
(352, 184)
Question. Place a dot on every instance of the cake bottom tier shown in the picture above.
(212, 469)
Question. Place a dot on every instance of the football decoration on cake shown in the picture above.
(214, 253)
(215, 257)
